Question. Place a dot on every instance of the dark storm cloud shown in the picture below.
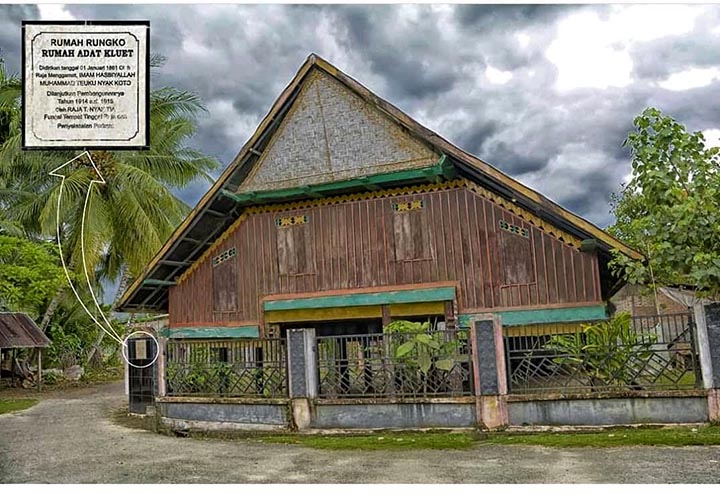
(444, 66)
(11, 17)
(406, 55)
(483, 17)
(514, 160)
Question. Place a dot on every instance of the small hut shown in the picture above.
(18, 330)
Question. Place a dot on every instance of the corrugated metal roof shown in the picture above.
(17, 330)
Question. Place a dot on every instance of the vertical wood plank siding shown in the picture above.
(352, 245)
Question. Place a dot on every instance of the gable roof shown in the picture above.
(219, 207)
(17, 330)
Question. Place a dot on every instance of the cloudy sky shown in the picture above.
(546, 93)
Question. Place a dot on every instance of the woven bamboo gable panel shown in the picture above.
(331, 134)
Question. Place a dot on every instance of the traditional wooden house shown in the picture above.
(342, 213)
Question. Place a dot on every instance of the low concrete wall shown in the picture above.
(608, 410)
(385, 414)
(209, 414)
(274, 415)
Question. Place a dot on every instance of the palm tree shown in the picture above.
(131, 215)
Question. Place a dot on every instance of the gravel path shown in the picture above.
(70, 439)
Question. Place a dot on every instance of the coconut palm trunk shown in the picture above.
(95, 355)
(51, 309)
(54, 304)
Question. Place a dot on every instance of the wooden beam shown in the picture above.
(449, 314)
(168, 262)
(39, 376)
(153, 282)
(215, 213)
(386, 319)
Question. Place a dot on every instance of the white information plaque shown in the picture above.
(86, 84)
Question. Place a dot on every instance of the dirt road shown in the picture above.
(69, 438)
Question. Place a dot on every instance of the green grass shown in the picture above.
(615, 437)
(379, 440)
(7, 406)
(707, 435)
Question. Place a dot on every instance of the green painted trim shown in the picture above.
(543, 316)
(356, 299)
(589, 245)
(442, 169)
(152, 282)
(212, 332)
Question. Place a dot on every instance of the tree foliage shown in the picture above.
(669, 211)
(30, 274)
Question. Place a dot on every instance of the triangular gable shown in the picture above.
(331, 134)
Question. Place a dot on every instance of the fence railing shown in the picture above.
(648, 352)
(252, 368)
(435, 363)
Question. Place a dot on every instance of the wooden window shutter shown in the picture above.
(413, 238)
(225, 294)
(517, 254)
(294, 250)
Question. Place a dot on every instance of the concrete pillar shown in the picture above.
(703, 345)
(160, 367)
(302, 374)
(711, 365)
(490, 376)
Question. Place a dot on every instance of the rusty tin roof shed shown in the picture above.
(18, 330)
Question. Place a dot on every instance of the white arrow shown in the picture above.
(100, 180)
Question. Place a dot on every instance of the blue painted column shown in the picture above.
(302, 374)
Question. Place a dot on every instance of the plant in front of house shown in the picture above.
(608, 354)
(418, 349)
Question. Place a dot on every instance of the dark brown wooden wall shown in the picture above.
(456, 237)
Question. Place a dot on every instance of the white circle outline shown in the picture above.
(124, 346)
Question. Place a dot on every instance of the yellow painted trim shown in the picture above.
(330, 314)
(419, 309)
(543, 329)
